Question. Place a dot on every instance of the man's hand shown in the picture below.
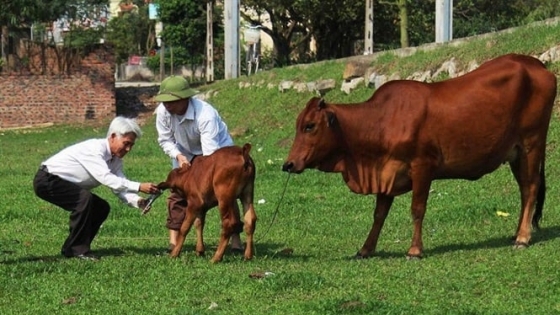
(149, 188)
(183, 161)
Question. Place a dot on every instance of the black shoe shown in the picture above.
(165, 252)
(237, 251)
(87, 256)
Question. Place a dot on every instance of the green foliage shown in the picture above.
(185, 29)
(131, 34)
(337, 26)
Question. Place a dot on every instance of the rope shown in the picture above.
(277, 208)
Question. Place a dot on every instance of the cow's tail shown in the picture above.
(541, 194)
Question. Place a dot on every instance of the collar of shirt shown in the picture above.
(191, 110)
(108, 156)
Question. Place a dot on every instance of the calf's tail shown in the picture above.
(163, 186)
(246, 156)
(541, 194)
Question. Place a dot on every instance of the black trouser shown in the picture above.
(88, 211)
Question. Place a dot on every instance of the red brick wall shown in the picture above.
(86, 95)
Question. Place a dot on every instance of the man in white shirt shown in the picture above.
(187, 127)
(66, 180)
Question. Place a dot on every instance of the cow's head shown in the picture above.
(317, 138)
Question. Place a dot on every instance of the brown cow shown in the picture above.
(219, 180)
(410, 133)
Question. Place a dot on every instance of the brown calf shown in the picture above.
(219, 180)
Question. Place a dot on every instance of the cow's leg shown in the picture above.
(421, 182)
(185, 228)
(525, 169)
(199, 225)
(229, 222)
(382, 207)
(250, 219)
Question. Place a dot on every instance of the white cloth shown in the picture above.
(90, 164)
(201, 131)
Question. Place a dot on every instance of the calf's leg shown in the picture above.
(199, 225)
(250, 220)
(229, 222)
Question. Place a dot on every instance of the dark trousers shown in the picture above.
(87, 210)
(176, 206)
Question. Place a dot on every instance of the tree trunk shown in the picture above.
(403, 14)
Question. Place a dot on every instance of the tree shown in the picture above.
(289, 28)
(332, 23)
(184, 29)
(402, 18)
(131, 33)
(19, 17)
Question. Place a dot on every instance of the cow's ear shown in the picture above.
(331, 119)
(321, 104)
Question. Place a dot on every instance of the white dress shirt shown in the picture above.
(90, 164)
(201, 131)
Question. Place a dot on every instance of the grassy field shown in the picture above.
(305, 254)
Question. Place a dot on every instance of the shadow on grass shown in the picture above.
(278, 251)
(266, 250)
(105, 252)
(540, 236)
(261, 250)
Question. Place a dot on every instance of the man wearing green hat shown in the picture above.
(187, 127)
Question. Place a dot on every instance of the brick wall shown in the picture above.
(28, 99)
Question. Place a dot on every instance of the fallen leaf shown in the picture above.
(502, 214)
(352, 305)
(70, 300)
(287, 251)
(257, 275)
(213, 305)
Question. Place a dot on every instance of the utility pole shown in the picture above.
(231, 16)
(444, 20)
(209, 42)
(368, 38)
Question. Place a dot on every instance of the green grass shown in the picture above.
(469, 268)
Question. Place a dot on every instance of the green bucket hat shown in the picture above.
(174, 88)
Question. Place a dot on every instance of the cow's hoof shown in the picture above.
(200, 253)
(520, 245)
(360, 256)
(413, 257)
